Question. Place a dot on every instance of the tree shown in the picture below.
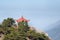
(22, 33)
(23, 26)
(8, 22)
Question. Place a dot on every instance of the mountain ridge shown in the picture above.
(54, 33)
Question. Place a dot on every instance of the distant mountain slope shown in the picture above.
(54, 33)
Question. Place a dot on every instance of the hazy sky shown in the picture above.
(41, 13)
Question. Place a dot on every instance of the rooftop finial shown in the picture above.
(21, 16)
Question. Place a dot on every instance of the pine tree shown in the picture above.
(23, 33)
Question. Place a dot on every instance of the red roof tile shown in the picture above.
(22, 19)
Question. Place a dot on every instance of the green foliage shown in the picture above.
(22, 33)
(36, 36)
(23, 26)
(8, 22)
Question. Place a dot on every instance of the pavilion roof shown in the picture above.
(22, 19)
